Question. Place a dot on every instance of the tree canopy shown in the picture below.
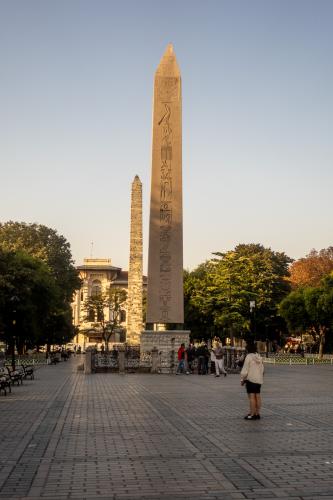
(37, 282)
(218, 293)
(29, 299)
(47, 245)
(310, 309)
(310, 270)
(104, 311)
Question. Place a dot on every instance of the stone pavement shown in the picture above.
(76, 436)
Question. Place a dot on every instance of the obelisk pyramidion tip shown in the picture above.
(169, 49)
(168, 64)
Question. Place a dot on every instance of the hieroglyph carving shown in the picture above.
(165, 212)
(165, 261)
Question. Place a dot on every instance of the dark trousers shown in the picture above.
(202, 366)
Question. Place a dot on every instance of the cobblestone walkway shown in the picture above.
(69, 435)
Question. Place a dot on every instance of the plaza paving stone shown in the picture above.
(66, 435)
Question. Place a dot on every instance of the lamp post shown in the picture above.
(14, 300)
(13, 347)
(252, 316)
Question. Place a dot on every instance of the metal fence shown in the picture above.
(130, 359)
(28, 359)
(297, 359)
(107, 361)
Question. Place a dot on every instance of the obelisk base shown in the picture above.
(167, 343)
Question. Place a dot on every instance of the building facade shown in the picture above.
(97, 276)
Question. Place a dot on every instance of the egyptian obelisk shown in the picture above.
(165, 303)
(134, 300)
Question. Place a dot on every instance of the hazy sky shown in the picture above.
(76, 81)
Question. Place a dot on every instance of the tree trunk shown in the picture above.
(321, 342)
(106, 339)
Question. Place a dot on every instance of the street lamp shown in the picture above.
(14, 300)
(252, 316)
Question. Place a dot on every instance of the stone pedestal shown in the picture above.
(155, 361)
(166, 343)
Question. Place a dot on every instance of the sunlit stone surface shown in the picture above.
(135, 324)
(165, 261)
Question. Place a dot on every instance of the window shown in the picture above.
(122, 316)
(100, 315)
(96, 288)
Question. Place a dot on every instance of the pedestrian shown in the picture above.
(181, 359)
(252, 376)
(190, 357)
(212, 361)
(219, 360)
(203, 357)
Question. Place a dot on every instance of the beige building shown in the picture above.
(97, 276)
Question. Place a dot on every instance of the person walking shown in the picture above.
(181, 359)
(252, 376)
(219, 360)
(212, 361)
(190, 357)
(203, 356)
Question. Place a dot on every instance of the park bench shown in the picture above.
(28, 371)
(5, 382)
(54, 359)
(15, 375)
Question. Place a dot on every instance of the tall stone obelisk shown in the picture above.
(134, 299)
(165, 303)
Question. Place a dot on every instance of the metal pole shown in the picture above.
(13, 349)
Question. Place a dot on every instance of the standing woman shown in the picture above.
(252, 375)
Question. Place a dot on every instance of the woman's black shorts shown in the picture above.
(252, 388)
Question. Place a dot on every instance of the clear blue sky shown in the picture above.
(76, 81)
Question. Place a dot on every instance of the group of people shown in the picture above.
(187, 356)
(252, 370)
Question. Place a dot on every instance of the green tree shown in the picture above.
(47, 245)
(28, 297)
(293, 310)
(198, 309)
(219, 291)
(53, 251)
(104, 311)
(310, 309)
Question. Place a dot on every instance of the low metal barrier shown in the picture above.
(296, 359)
(132, 358)
(105, 361)
(129, 359)
(25, 359)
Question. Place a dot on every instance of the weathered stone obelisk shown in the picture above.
(165, 303)
(134, 299)
(165, 259)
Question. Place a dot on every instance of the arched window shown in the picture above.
(100, 315)
(96, 288)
